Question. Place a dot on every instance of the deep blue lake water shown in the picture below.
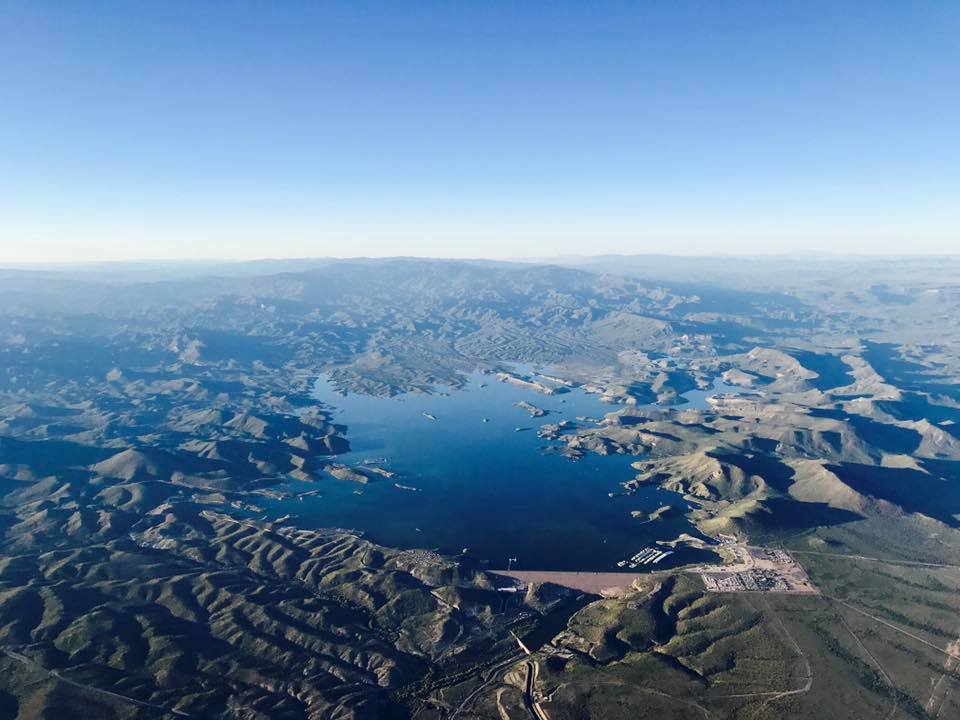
(485, 486)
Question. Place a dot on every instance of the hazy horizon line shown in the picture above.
(790, 254)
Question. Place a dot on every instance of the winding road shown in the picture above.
(24, 660)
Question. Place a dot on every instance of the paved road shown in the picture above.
(890, 625)
(489, 676)
(533, 707)
(883, 673)
(888, 561)
(23, 659)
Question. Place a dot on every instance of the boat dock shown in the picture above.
(647, 556)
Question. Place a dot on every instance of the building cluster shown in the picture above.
(747, 581)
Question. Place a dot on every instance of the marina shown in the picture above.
(647, 556)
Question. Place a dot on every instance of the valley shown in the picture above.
(358, 489)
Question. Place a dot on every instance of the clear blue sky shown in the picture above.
(249, 129)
